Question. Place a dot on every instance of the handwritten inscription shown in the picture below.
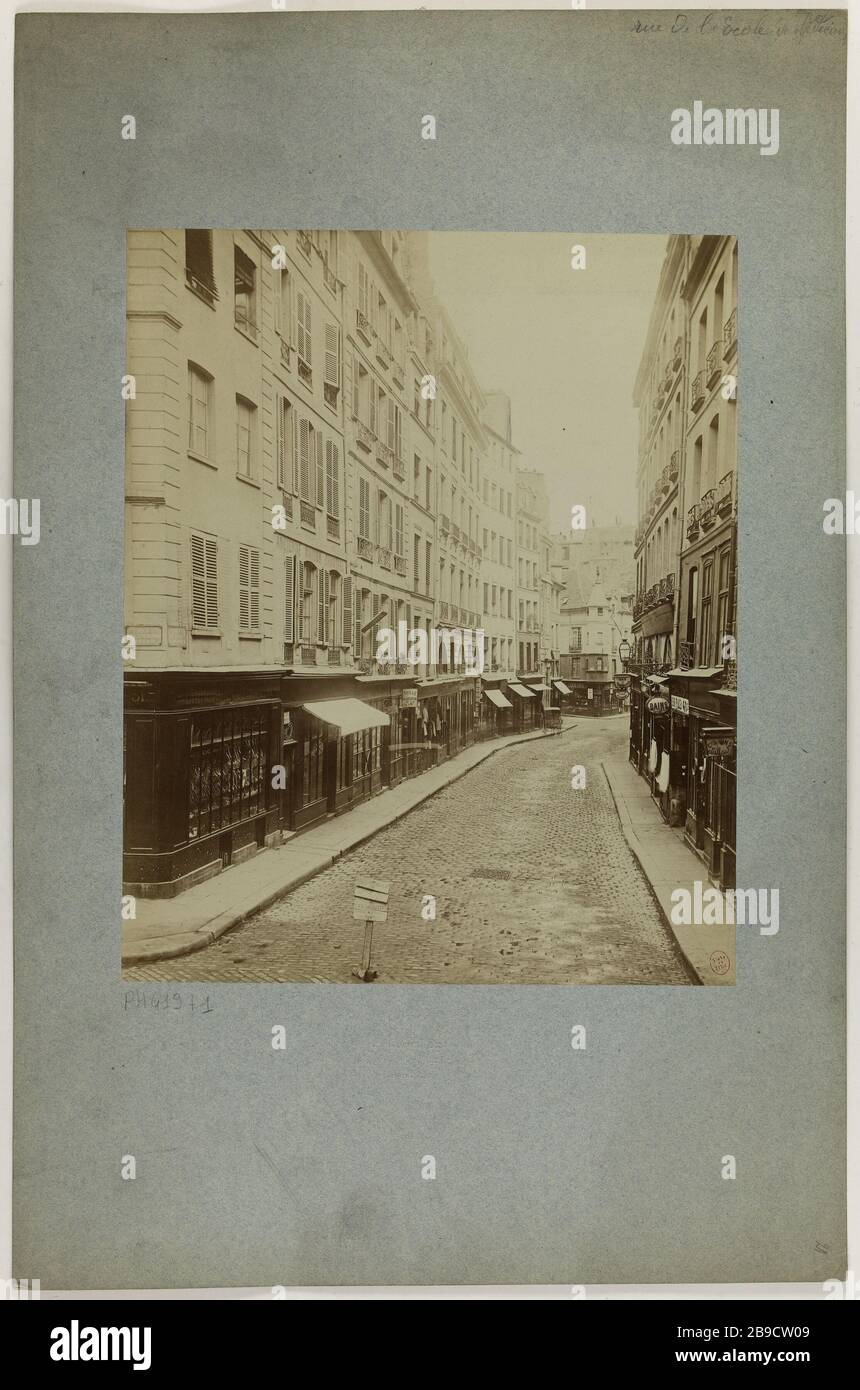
(729, 26)
(165, 1001)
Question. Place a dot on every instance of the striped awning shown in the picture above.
(521, 690)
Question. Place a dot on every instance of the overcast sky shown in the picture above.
(564, 344)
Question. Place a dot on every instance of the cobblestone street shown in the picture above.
(534, 884)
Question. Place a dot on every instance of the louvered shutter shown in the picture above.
(322, 609)
(390, 435)
(332, 355)
(347, 610)
(198, 581)
(290, 599)
(320, 470)
(280, 440)
(329, 479)
(244, 589)
(211, 582)
(359, 612)
(304, 461)
(254, 588)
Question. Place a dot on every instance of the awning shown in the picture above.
(560, 685)
(521, 690)
(695, 673)
(496, 698)
(348, 716)
(656, 680)
(538, 685)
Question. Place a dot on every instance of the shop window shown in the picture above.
(228, 764)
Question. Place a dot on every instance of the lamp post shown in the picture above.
(624, 650)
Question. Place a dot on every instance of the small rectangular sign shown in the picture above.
(681, 704)
(366, 910)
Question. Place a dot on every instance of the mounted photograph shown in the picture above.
(430, 596)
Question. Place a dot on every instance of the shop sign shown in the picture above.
(409, 698)
(718, 742)
(590, 693)
(680, 704)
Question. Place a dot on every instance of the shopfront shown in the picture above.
(704, 733)
(198, 794)
(525, 706)
(498, 713)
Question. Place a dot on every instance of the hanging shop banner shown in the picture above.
(663, 774)
(680, 704)
(409, 698)
(658, 704)
(718, 742)
(652, 756)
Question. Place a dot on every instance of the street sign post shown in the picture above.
(369, 905)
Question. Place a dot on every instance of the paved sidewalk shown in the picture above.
(167, 927)
(668, 863)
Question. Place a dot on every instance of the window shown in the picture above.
(364, 509)
(362, 405)
(383, 521)
(303, 330)
(332, 480)
(290, 599)
(486, 603)
(204, 583)
(200, 440)
(199, 275)
(416, 477)
(707, 588)
(244, 288)
(398, 529)
(285, 424)
(333, 628)
(428, 560)
(363, 291)
(723, 601)
(249, 589)
(245, 411)
(311, 470)
(306, 609)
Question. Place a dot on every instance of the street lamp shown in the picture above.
(624, 650)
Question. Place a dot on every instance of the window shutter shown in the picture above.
(198, 581)
(335, 459)
(211, 582)
(322, 605)
(280, 440)
(364, 509)
(357, 616)
(372, 408)
(329, 479)
(391, 422)
(320, 470)
(347, 610)
(244, 589)
(332, 354)
(290, 599)
(254, 588)
(304, 461)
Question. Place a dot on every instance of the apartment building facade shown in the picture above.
(499, 543)
(683, 686)
(306, 456)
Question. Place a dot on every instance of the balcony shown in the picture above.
(677, 353)
(707, 509)
(330, 394)
(715, 363)
(674, 466)
(686, 655)
(304, 243)
(730, 335)
(693, 522)
(363, 327)
(637, 608)
(384, 455)
(383, 557)
(330, 279)
(308, 655)
(334, 656)
(697, 391)
(667, 589)
(724, 495)
(398, 468)
(305, 372)
(444, 524)
(665, 481)
(365, 437)
(308, 515)
(202, 286)
(365, 548)
(285, 353)
(455, 533)
(333, 528)
(443, 611)
(398, 375)
(400, 564)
